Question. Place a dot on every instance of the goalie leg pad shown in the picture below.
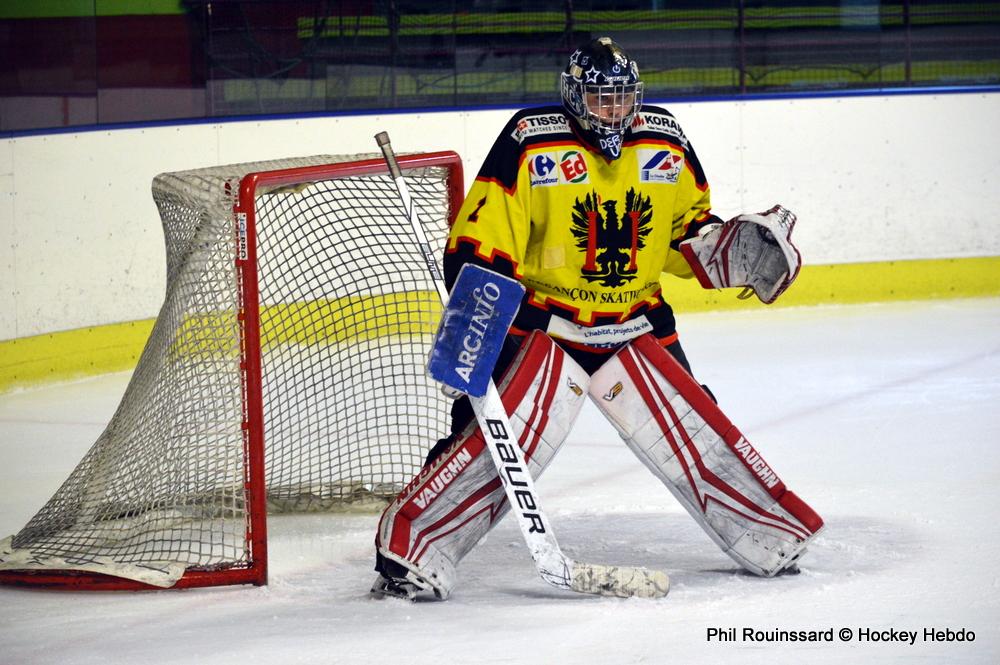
(680, 434)
(454, 501)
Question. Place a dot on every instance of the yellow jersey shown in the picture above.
(587, 237)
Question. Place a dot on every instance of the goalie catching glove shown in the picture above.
(753, 251)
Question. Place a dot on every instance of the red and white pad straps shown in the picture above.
(451, 504)
(680, 434)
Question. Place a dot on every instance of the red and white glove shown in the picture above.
(752, 251)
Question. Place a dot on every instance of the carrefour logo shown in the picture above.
(659, 166)
(541, 168)
(541, 165)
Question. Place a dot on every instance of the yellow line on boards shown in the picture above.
(73, 354)
(849, 283)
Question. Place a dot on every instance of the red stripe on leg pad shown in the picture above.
(699, 400)
(696, 396)
(399, 540)
(661, 409)
(754, 463)
(802, 512)
(689, 389)
(515, 384)
(440, 474)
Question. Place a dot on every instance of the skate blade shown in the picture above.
(389, 588)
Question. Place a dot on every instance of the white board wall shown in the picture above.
(872, 178)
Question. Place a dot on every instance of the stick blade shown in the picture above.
(619, 581)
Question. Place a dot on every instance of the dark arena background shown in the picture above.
(95, 62)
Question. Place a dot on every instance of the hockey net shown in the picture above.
(288, 356)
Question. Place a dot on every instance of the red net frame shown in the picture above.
(254, 571)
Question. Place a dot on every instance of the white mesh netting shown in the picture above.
(347, 313)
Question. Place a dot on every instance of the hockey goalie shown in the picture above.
(584, 205)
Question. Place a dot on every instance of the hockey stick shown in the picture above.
(553, 566)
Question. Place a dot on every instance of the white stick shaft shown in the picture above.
(519, 486)
(411, 214)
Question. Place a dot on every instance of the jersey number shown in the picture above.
(474, 217)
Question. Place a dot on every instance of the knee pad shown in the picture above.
(453, 502)
(683, 437)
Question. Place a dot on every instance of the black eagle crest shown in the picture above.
(609, 241)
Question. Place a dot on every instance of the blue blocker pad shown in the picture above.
(475, 322)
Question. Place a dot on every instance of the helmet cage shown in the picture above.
(612, 108)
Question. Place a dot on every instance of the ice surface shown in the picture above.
(885, 418)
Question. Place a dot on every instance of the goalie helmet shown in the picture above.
(602, 91)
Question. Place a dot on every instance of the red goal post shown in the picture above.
(257, 387)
